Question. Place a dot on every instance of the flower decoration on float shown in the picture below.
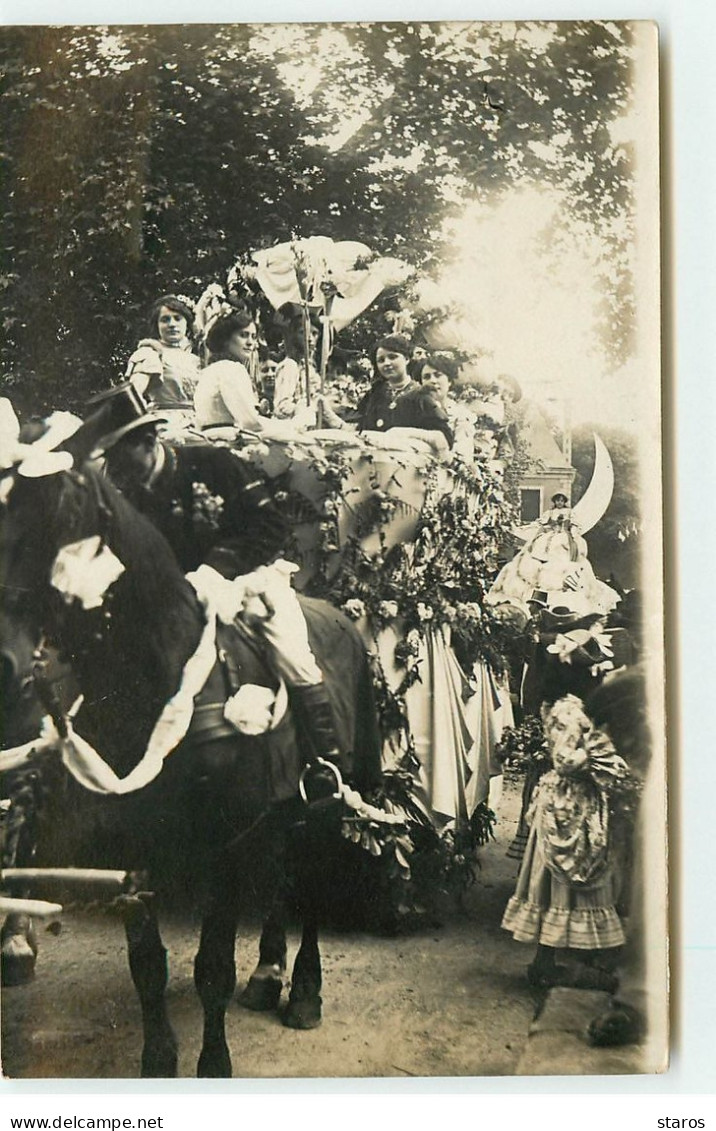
(212, 305)
(207, 509)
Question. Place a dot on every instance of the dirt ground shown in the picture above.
(444, 1001)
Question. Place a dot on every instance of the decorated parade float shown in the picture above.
(404, 540)
(416, 547)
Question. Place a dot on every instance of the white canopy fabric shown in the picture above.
(358, 276)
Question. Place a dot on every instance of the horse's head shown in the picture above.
(23, 554)
(39, 517)
(82, 568)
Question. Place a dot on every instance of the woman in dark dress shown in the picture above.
(396, 401)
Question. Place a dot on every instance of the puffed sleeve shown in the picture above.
(144, 363)
(284, 397)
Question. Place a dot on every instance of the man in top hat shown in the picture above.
(215, 510)
(210, 506)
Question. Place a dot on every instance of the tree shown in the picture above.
(140, 160)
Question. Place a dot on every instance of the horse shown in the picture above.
(22, 714)
(131, 643)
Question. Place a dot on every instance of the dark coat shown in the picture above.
(213, 508)
(415, 407)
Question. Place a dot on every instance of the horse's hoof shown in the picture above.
(17, 963)
(619, 1025)
(214, 1064)
(261, 994)
(160, 1064)
(303, 1012)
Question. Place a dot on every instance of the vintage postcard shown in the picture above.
(332, 598)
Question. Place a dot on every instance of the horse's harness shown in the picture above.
(225, 679)
(208, 722)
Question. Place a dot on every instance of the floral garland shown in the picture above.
(523, 749)
(434, 860)
(206, 509)
(439, 579)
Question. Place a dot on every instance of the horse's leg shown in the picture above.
(304, 1003)
(307, 844)
(148, 965)
(263, 989)
(18, 950)
(215, 981)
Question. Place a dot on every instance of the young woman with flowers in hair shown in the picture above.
(163, 368)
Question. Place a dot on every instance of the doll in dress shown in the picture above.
(570, 878)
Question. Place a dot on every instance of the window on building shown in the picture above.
(530, 503)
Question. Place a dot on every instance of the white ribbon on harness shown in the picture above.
(89, 768)
(39, 458)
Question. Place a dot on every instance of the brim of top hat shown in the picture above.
(104, 443)
(563, 613)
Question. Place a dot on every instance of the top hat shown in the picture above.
(560, 618)
(117, 412)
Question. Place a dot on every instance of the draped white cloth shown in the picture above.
(455, 723)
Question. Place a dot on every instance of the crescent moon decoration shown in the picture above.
(595, 500)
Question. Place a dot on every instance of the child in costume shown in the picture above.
(570, 878)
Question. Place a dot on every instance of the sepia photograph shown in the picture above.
(331, 552)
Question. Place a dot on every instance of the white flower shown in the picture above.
(388, 609)
(250, 710)
(85, 572)
(425, 612)
(354, 608)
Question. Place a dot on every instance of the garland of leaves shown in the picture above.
(438, 580)
(441, 577)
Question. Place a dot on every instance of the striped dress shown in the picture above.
(570, 878)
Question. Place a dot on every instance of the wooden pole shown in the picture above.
(306, 350)
(110, 879)
(325, 348)
(37, 908)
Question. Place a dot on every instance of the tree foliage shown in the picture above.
(139, 160)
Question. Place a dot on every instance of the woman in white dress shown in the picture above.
(225, 399)
(553, 563)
